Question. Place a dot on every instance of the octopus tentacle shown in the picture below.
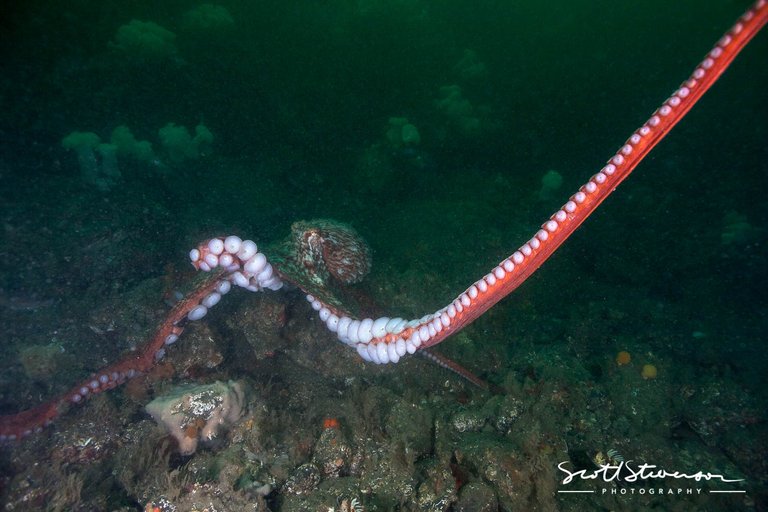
(450, 364)
(16, 426)
(385, 340)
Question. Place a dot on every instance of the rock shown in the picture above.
(194, 412)
(476, 497)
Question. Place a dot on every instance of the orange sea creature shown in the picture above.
(623, 358)
(331, 423)
(649, 371)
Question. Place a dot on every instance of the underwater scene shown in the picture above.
(323, 256)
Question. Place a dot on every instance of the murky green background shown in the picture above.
(306, 101)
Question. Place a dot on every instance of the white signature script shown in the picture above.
(624, 472)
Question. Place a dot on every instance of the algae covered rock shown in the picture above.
(194, 412)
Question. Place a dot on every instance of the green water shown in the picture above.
(306, 102)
